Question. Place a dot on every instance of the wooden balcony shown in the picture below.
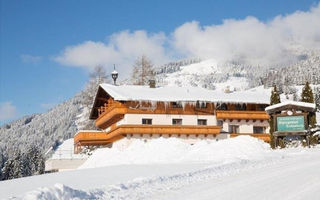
(242, 115)
(262, 136)
(111, 115)
(86, 138)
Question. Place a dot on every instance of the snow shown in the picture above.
(174, 150)
(65, 151)
(184, 94)
(254, 172)
(233, 84)
(201, 68)
(295, 103)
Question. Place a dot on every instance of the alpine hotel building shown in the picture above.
(188, 113)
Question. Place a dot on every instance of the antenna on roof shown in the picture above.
(114, 74)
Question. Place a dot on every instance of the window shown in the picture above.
(220, 122)
(201, 104)
(259, 129)
(146, 121)
(233, 129)
(202, 122)
(176, 105)
(177, 121)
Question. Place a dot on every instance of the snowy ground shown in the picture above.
(248, 170)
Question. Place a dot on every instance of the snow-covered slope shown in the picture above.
(42, 130)
(173, 150)
(250, 169)
(237, 75)
(206, 74)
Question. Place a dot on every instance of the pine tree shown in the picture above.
(275, 96)
(307, 96)
(274, 99)
(142, 71)
(7, 170)
(17, 165)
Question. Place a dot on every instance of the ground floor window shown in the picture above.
(146, 121)
(234, 129)
(176, 121)
(259, 129)
(202, 122)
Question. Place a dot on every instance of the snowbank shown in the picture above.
(173, 150)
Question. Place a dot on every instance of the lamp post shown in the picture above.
(114, 75)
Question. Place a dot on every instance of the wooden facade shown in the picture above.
(107, 112)
(242, 115)
(104, 138)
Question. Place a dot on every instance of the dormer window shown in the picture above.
(241, 107)
(222, 106)
(176, 104)
(201, 104)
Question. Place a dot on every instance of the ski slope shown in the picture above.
(261, 173)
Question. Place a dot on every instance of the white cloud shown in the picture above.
(122, 49)
(30, 59)
(7, 111)
(249, 40)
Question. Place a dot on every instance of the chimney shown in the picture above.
(152, 83)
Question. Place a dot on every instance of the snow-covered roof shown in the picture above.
(184, 94)
(309, 106)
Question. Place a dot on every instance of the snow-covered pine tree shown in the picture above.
(307, 96)
(17, 164)
(36, 160)
(274, 99)
(317, 97)
(7, 170)
(142, 71)
(275, 96)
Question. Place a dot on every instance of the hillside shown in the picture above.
(239, 75)
(44, 130)
(48, 130)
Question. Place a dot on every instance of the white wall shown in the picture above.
(244, 126)
(163, 119)
(63, 164)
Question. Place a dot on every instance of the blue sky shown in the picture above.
(44, 43)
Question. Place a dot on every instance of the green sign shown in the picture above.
(290, 123)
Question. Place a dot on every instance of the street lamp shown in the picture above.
(114, 75)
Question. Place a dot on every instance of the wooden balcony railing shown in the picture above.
(242, 115)
(85, 138)
(111, 115)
